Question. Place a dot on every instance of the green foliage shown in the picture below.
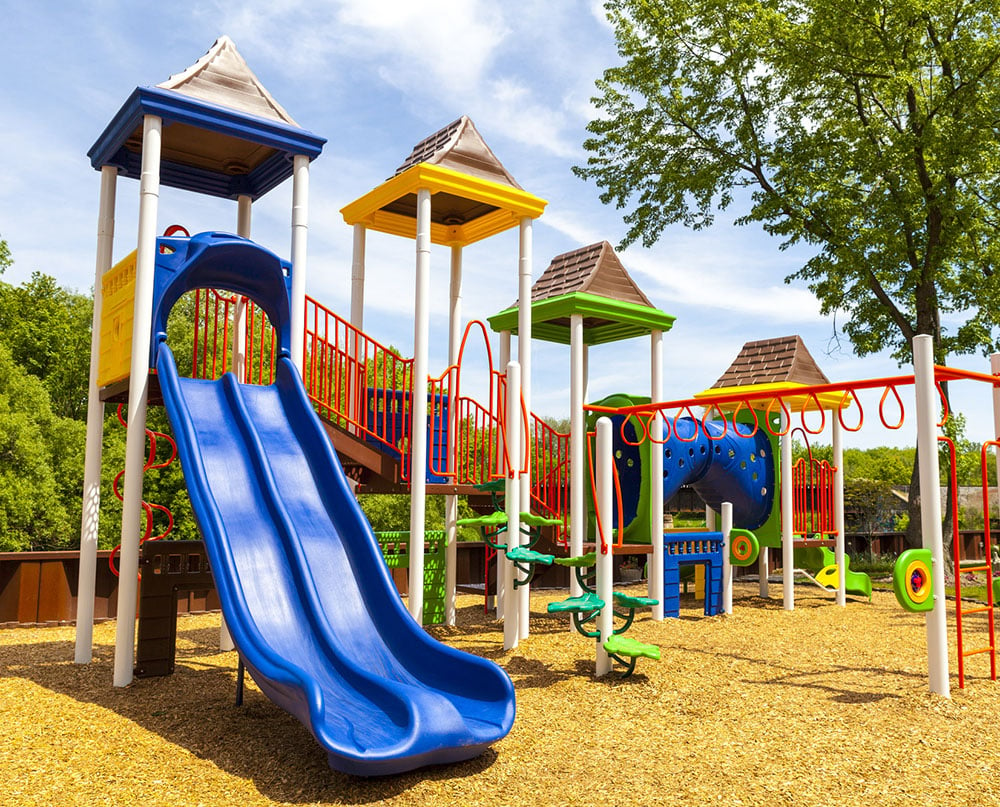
(865, 130)
(41, 466)
(894, 465)
(47, 330)
(390, 512)
(869, 506)
(5, 257)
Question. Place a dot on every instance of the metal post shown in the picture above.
(577, 449)
(243, 219)
(418, 405)
(927, 405)
(300, 231)
(135, 441)
(244, 214)
(524, 359)
(90, 519)
(512, 602)
(451, 502)
(654, 571)
(727, 566)
(838, 511)
(358, 278)
(605, 582)
(787, 537)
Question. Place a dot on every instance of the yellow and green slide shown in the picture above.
(822, 561)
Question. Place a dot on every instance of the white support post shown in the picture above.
(244, 215)
(709, 518)
(838, 512)
(927, 406)
(418, 405)
(512, 602)
(727, 566)
(451, 502)
(501, 583)
(90, 519)
(244, 212)
(605, 581)
(654, 579)
(577, 449)
(135, 441)
(356, 385)
(787, 537)
(524, 359)
(358, 278)
(300, 231)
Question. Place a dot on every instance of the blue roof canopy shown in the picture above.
(206, 148)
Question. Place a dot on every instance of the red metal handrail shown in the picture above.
(550, 475)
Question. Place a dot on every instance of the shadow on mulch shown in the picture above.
(194, 708)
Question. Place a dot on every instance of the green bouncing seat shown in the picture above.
(625, 651)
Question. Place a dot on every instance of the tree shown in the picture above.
(47, 329)
(5, 257)
(862, 128)
(41, 473)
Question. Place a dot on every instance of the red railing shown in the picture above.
(364, 387)
(357, 383)
(213, 322)
(550, 474)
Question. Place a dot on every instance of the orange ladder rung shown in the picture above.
(970, 569)
(977, 610)
(975, 652)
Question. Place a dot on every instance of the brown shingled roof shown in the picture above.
(784, 359)
(594, 269)
(460, 147)
(223, 77)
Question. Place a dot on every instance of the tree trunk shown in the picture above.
(914, 539)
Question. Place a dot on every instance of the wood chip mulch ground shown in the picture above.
(818, 706)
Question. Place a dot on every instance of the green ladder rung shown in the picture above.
(626, 601)
(631, 648)
(520, 554)
(577, 605)
(494, 519)
(578, 562)
(533, 520)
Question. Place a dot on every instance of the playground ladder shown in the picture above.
(987, 566)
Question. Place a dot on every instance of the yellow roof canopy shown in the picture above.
(472, 195)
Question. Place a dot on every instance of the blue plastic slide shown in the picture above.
(305, 592)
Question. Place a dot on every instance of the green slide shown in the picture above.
(822, 561)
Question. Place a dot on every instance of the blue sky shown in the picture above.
(375, 77)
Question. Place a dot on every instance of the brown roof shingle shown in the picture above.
(783, 359)
(459, 146)
(595, 269)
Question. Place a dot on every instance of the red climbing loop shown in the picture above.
(148, 507)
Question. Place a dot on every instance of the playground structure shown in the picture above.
(289, 355)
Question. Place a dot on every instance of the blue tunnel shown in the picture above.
(722, 463)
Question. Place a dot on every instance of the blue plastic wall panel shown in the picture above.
(708, 551)
(385, 410)
(109, 149)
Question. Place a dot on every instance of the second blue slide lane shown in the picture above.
(305, 593)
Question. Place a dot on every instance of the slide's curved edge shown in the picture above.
(295, 689)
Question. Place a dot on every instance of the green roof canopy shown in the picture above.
(592, 282)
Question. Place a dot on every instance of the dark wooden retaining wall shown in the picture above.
(40, 588)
